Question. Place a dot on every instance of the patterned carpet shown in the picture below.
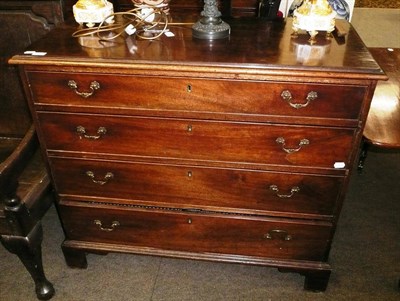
(378, 3)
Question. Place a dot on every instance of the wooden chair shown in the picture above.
(24, 185)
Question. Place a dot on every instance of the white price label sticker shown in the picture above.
(37, 53)
(169, 34)
(339, 165)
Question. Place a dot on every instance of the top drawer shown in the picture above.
(153, 95)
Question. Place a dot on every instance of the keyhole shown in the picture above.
(189, 128)
(189, 88)
(189, 174)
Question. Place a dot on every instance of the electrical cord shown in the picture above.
(146, 22)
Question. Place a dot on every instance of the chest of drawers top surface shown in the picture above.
(254, 47)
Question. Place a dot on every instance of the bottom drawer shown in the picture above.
(194, 232)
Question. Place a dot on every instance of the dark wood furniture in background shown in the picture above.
(231, 8)
(22, 22)
(383, 123)
(23, 178)
(236, 150)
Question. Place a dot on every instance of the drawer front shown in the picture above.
(199, 95)
(177, 231)
(197, 140)
(198, 187)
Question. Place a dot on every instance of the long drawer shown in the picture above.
(190, 95)
(198, 187)
(179, 231)
(197, 140)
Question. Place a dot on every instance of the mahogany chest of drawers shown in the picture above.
(235, 150)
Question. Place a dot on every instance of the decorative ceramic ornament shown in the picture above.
(314, 16)
(90, 12)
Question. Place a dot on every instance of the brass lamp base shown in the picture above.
(210, 26)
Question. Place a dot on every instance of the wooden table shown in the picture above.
(382, 128)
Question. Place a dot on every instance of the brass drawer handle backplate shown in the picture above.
(107, 177)
(281, 140)
(94, 85)
(114, 224)
(101, 131)
(287, 96)
(284, 196)
(277, 233)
